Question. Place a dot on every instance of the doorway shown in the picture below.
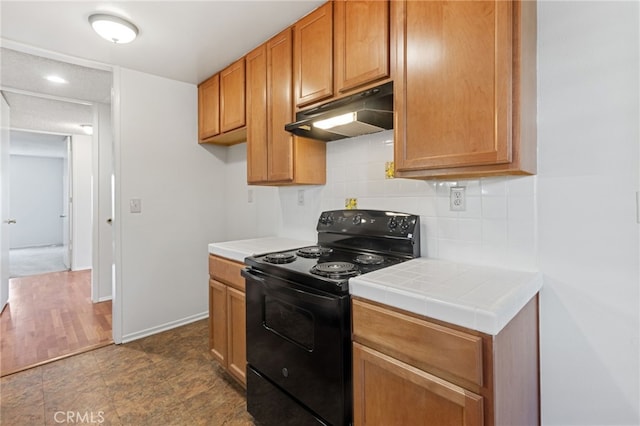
(40, 185)
(67, 111)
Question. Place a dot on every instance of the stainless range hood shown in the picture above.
(366, 112)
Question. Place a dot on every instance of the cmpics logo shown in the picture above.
(77, 417)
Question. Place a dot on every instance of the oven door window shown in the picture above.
(289, 321)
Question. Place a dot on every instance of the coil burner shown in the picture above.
(370, 259)
(314, 251)
(280, 258)
(335, 270)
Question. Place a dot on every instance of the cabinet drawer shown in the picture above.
(226, 271)
(428, 346)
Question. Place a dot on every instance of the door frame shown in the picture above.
(116, 291)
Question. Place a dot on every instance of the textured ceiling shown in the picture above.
(37, 104)
(27, 72)
(47, 115)
(37, 144)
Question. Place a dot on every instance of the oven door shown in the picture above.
(298, 339)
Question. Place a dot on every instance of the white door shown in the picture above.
(66, 207)
(5, 221)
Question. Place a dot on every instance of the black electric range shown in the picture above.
(299, 315)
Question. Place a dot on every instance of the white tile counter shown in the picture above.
(476, 297)
(239, 249)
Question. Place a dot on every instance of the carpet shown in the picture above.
(24, 262)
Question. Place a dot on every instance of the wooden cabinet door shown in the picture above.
(209, 108)
(390, 392)
(236, 335)
(218, 321)
(257, 115)
(361, 37)
(452, 91)
(313, 56)
(279, 107)
(232, 96)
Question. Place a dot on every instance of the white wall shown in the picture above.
(35, 200)
(162, 277)
(588, 174)
(82, 233)
(247, 219)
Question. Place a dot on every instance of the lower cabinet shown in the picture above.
(391, 392)
(409, 369)
(227, 334)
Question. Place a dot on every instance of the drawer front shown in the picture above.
(226, 271)
(428, 346)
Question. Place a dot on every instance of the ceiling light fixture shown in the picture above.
(113, 28)
(87, 128)
(56, 79)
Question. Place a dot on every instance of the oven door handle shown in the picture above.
(248, 273)
(273, 284)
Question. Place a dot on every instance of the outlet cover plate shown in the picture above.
(457, 199)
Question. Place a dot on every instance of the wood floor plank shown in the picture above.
(50, 316)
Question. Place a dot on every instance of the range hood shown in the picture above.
(366, 112)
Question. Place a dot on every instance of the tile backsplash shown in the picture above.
(498, 226)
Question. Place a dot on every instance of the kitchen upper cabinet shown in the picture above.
(313, 56)
(274, 156)
(221, 106)
(361, 43)
(232, 96)
(227, 334)
(257, 115)
(279, 107)
(209, 108)
(409, 369)
(465, 88)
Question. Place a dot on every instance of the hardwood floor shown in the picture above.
(50, 316)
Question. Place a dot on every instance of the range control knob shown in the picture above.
(329, 219)
(404, 224)
(393, 223)
(357, 219)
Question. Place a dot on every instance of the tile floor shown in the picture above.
(164, 379)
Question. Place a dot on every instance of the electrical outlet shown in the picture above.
(351, 203)
(250, 196)
(389, 170)
(457, 199)
(301, 197)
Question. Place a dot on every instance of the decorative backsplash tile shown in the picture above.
(497, 227)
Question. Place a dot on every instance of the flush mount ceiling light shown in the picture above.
(113, 28)
(87, 128)
(56, 79)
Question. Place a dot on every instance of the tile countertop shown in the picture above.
(239, 249)
(477, 297)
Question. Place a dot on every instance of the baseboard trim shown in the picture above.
(104, 299)
(164, 327)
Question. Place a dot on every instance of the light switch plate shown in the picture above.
(135, 205)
